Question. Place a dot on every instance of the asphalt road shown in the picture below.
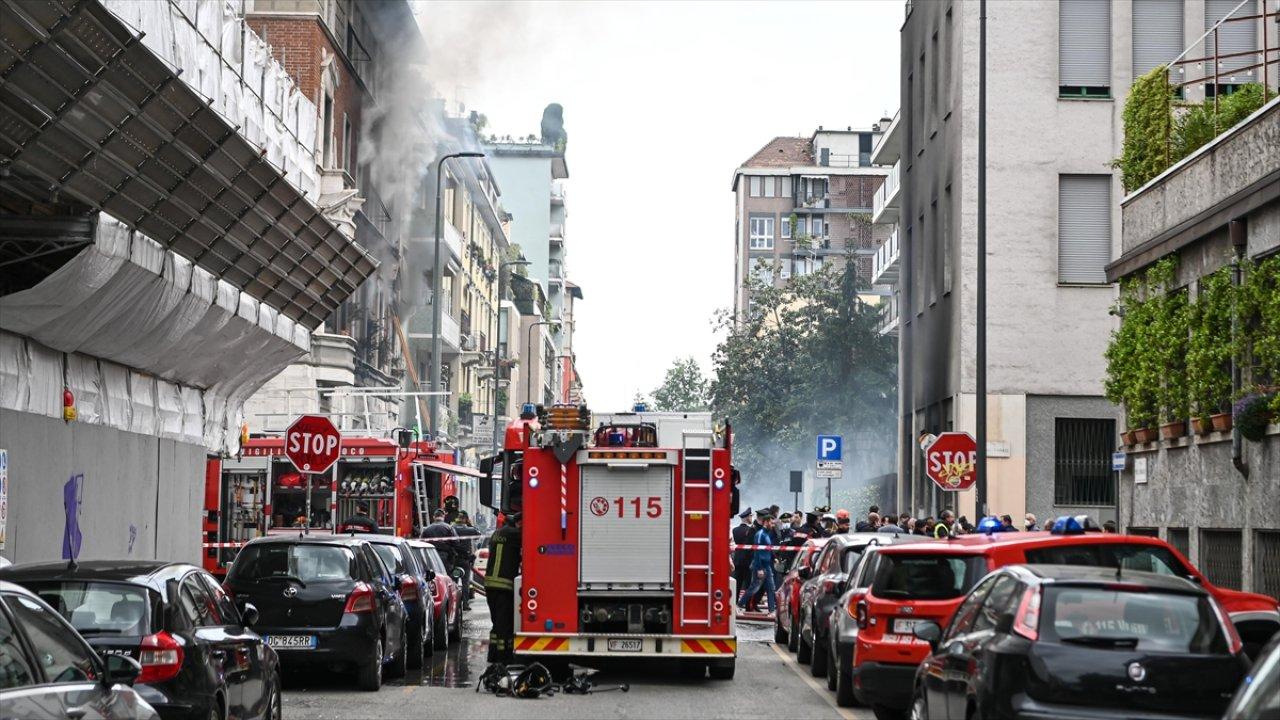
(768, 684)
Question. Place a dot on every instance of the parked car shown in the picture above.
(414, 581)
(842, 624)
(826, 583)
(786, 621)
(325, 600)
(1258, 696)
(445, 593)
(1061, 641)
(48, 671)
(200, 657)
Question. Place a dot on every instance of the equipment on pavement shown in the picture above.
(625, 536)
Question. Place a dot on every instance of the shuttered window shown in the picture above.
(1233, 37)
(1157, 34)
(1084, 48)
(1084, 229)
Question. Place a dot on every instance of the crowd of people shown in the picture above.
(758, 569)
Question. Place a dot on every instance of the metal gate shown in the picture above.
(1220, 558)
(1266, 562)
(625, 530)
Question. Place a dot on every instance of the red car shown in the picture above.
(911, 583)
(786, 625)
(445, 593)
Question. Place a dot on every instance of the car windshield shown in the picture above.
(1136, 556)
(926, 577)
(390, 557)
(308, 563)
(99, 608)
(433, 557)
(1117, 618)
(849, 560)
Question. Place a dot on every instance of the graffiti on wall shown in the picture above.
(72, 494)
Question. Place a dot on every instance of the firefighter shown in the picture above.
(742, 558)
(361, 521)
(943, 528)
(451, 509)
(467, 552)
(499, 588)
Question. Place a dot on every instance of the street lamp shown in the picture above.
(435, 295)
(528, 343)
(496, 346)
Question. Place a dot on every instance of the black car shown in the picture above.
(823, 584)
(1065, 641)
(415, 590)
(48, 671)
(199, 657)
(325, 600)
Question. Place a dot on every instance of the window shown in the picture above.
(997, 603)
(64, 657)
(1084, 229)
(308, 563)
(1157, 34)
(225, 607)
(198, 604)
(968, 610)
(786, 228)
(1220, 558)
(1266, 562)
(15, 671)
(762, 270)
(824, 157)
(99, 608)
(1129, 556)
(348, 143)
(1144, 622)
(927, 577)
(817, 226)
(761, 233)
(947, 243)
(1084, 48)
(756, 190)
(326, 129)
(1082, 461)
(770, 187)
(784, 184)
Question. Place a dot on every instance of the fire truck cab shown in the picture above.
(625, 535)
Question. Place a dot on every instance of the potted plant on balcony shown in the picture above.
(464, 408)
(1252, 413)
(1131, 377)
(1209, 350)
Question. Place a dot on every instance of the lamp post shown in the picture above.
(980, 391)
(436, 308)
(528, 343)
(497, 357)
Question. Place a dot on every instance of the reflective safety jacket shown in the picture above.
(504, 559)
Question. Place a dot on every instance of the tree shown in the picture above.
(683, 390)
(806, 359)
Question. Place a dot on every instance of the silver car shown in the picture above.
(48, 671)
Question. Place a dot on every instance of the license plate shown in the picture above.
(292, 642)
(905, 626)
(625, 645)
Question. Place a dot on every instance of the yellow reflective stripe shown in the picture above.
(499, 583)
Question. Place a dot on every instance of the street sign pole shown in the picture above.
(306, 526)
(980, 494)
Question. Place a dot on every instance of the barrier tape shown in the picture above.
(222, 545)
(775, 548)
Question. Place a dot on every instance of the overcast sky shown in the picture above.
(662, 101)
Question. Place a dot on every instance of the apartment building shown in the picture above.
(1057, 78)
(802, 203)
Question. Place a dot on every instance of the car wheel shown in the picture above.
(919, 707)
(887, 713)
(216, 710)
(370, 677)
(793, 636)
(779, 635)
(818, 665)
(440, 635)
(455, 632)
(804, 652)
(275, 700)
(399, 664)
(832, 663)
(844, 681)
(414, 647)
(723, 670)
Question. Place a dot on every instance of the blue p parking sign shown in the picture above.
(829, 447)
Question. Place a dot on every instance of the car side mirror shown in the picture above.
(457, 573)
(121, 669)
(486, 465)
(431, 575)
(1004, 623)
(249, 615)
(397, 581)
(929, 632)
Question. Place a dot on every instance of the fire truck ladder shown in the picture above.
(696, 475)
(420, 496)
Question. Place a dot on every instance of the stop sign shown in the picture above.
(312, 443)
(951, 462)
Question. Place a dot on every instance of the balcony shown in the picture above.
(557, 234)
(557, 193)
(885, 265)
(889, 316)
(889, 147)
(420, 327)
(884, 208)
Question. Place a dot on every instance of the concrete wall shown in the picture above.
(135, 483)
(1042, 411)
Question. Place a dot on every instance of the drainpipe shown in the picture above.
(1239, 245)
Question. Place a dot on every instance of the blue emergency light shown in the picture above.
(528, 411)
(640, 407)
(990, 524)
(1073, 525)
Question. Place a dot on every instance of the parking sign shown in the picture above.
(829, 447)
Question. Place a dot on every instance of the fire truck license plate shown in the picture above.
(625, 645)
(292, 642)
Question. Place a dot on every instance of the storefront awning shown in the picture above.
(88, 112)
(451, 468)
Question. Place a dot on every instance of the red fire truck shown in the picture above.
(260, 492)
(625, 534)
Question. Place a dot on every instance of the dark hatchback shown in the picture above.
(199, 656)
(1071, 642)
(324, 600)
(415, 582)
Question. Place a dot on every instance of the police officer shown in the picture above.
(742, 535)
(499, 588)
(943, 528)
(466, 552)
(443, 533)
(360, 521)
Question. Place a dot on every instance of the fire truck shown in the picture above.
(625, 535)
(259, 492)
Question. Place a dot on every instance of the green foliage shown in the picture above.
(1201, 124)
(806, 358)
(684, 389)
(1209, 348)
(1260, 317)
(1146, 360)
(1147, 123)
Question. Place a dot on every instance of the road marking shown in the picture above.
(812, 682)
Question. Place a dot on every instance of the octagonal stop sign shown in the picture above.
(312, 443)
(951, 462)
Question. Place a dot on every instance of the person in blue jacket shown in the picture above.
(762, 565)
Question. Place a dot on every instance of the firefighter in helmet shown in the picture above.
(451, 509)
(499, 588)
(361, 521)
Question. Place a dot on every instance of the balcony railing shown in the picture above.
(889, 315)
(885, 265)
(420, 328)
(557, 232)
(885, 205)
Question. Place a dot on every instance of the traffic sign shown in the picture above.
(951, 461)
(312, 443)
(832, 473)
(829, 447)
(1118, 461)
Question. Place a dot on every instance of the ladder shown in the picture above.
(696, 525)
(420, 495)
